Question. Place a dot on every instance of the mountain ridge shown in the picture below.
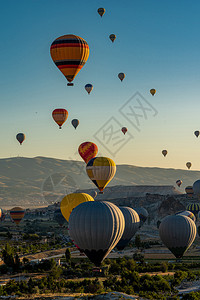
(42, 180)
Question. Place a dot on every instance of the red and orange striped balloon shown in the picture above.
(87, 151)
(17, 214)
(69, 53)
(60, 115)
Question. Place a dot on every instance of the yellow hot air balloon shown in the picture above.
(101, 170)
(69, 53)
(152, 91)
(70, 201)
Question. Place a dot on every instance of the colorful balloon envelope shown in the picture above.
(60, 115)
(194, 208)
(112, 37)
(188, 165)
(17, 214)
(75, 123)
(189, 191)
(121, 76)
(87, 151)
(101, 171)
(70, 201)
(89, 88)
(132, 223)
(179, 182)
(164, 153)
(196, 133)
(124, 130)
(69, 53)
(188, 214)
(101, 11)
(177, 233)
(96, 227)
(20, 137)
(152, 91)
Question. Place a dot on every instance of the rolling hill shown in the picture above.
(32, 182)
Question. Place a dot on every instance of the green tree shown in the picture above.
(68, 255)
(138, 243)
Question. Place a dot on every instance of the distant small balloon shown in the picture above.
(197, 132)
(60, 115)
(101, 11)
(152, 91)
(88, 88)
(124, 130)
(121, 76)
(17, 214)
(112, 37)
(20, 137)
(75, 123)
(188, 165)
(164, 152)
(189, 191)
(179, 182)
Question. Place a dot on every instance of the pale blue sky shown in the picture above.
(157, 46)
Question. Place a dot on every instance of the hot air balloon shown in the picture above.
(88, 88)
(87, 151)
(60, 115)
(70, 201)
(101, 11)
(132, 222)
(197, 132)
(194, 208)
(112, 37)
(69, 53)
(179, 182)
(96, 227)
(143, 214)
(152, 91)
(187, 213)
(20, 137)
(121, 76)
(164, 152)
(75, 123)
(177, 233)
(188, 165)
(17, 214)
(93, 194)
(189, 191)
(58, 217)
(3, 216)
(196, 188)
(124, 130)
(101, 170)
